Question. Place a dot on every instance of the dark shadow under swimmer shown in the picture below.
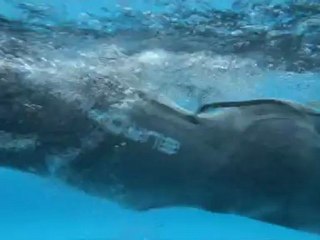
(259, 158)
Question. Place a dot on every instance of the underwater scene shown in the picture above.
(160, 120)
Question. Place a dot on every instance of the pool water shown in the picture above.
(173, 48)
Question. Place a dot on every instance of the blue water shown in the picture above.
(35, 208)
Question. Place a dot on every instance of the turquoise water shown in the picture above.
(34, 208)
(94, 34)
